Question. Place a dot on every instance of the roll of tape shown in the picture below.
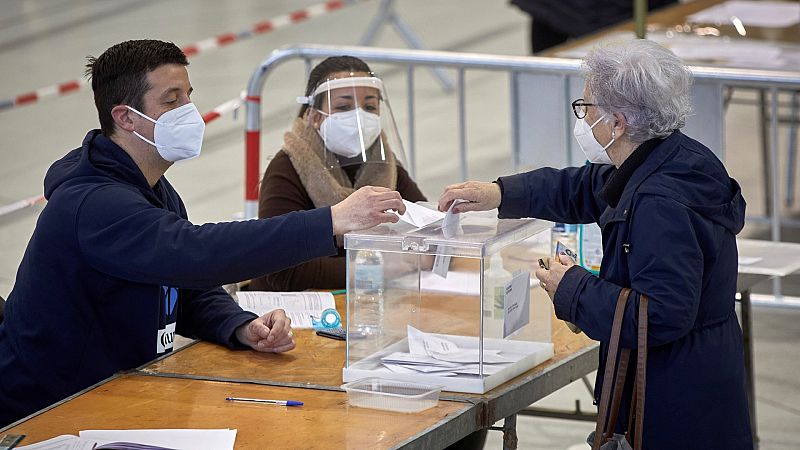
(330, 318)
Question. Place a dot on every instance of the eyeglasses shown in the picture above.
(579, 107)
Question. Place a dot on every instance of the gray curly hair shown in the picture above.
(645, 82)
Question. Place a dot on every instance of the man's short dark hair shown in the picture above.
(119, 75)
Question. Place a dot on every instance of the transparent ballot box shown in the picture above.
(464, 312)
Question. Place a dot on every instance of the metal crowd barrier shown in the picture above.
(566, 70)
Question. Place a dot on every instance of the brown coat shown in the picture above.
(283, 190)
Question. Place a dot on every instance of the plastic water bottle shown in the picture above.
(368, 305)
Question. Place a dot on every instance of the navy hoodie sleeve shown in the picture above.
(124, 236)
(211, 315)
(559, 195)
(665, 263)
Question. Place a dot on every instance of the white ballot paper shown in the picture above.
(196, 439)
(748, 260)
(433, 355)
(451, 227)
(177, 439)
(419, 216)
(299, 306)
(516, 303)
(422, 345)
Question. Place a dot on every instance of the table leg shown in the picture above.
(749, 372)
(510, 440)
(765, 142)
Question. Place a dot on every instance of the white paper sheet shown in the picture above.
(412, 359)
(420, 216)
(63, 442)
(471, 356)
(517, 303)
(768, 14)
(472, 369)
(748, 260)
(465, 283)
(424, 344)
(299, 306)
(188, 439)
(441, 265)
(451, 225)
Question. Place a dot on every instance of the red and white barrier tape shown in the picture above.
(225, 108)
(190, 50)
(230, 106)
(22, 204)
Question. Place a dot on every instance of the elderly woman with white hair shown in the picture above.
(669, 214)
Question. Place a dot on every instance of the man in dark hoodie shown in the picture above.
(669, 214)
(114, 268)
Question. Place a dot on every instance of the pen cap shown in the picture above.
(293, 403)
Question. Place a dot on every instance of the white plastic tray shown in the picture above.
(391, 395)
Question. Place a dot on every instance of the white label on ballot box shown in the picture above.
(517, 303)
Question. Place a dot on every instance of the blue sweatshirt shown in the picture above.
(114, 269)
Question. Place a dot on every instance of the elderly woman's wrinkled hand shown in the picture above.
(480, 196)
(549, 279)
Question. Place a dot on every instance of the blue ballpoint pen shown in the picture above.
(271, 402)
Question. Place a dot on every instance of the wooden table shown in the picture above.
(317, 363)
(192, 383)
(326, 421)
(676, 15)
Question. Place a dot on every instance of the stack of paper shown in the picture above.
(433, 355)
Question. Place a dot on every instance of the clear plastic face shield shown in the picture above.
(353, 117)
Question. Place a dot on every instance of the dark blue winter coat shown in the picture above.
(671, 237)
(114, 267)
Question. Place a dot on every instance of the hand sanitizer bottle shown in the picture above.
(495, 287)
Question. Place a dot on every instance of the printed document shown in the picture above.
(299, 306)
(166, 439)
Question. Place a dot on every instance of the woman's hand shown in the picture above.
(549, 279)
(481, 196)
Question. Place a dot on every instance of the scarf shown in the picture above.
(327, 187)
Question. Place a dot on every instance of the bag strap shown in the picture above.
(611, 362)
(616, 396)
(636, 417)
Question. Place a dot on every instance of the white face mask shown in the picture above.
(593, 150)
(345, 132)
(178, 133)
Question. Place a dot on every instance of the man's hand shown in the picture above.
(550, 278)
(365, 208)
(271, 333)
(481, 196)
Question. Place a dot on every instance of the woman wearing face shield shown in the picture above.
(669, 215)
(343, 138)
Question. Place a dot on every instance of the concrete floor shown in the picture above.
(43, 42)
